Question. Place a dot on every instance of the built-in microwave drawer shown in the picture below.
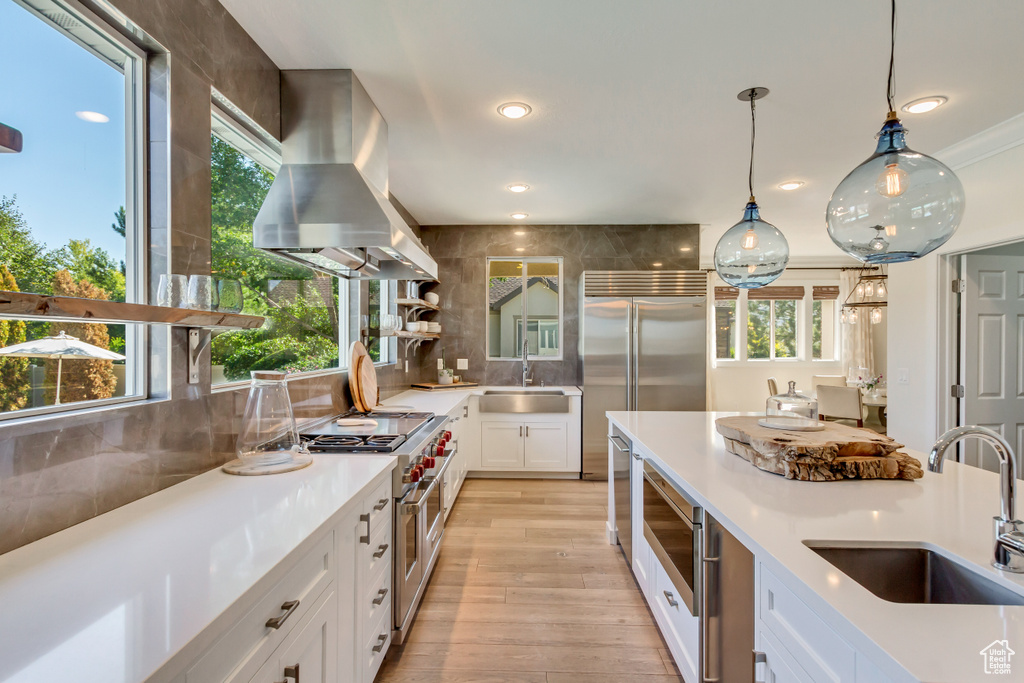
(672, 527)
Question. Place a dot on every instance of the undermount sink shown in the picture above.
(914, 574)
(525, 401)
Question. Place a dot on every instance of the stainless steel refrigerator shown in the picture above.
(643, 346)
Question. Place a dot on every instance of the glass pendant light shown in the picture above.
(751, 253)
(876, 316)
(881, 290)
(842, 316)
(899, 204)
(869, 290)
(852, 317)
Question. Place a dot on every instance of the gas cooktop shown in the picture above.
(381, 432)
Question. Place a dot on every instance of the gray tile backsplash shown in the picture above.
(461, 252)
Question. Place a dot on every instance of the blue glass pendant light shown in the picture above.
(899, 204)
(751, 253)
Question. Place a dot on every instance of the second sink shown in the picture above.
(525, 401)
(913, 574)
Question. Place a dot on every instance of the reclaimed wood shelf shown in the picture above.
(425, 336)
(72, 309)
(417, 303)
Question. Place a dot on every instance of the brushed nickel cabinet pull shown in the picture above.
(381, 504)
(365, 539)
(278, 621)
(381, 639)
(381, 549)
(381, 594)
(292, 672)
(671, 599)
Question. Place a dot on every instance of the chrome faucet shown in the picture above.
(526, 364)
(1009, 548)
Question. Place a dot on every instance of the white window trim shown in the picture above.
(561, 304)
(136, 228)
(803, 327)
(238, 129)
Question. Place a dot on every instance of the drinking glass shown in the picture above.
(172, 291)
(201, 294)
(229, 295)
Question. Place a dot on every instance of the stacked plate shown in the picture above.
(434, 328)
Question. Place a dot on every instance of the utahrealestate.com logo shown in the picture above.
(997, 657)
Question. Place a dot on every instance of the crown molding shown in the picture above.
(987, 143)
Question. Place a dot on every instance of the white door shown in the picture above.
(309, 654)
(546, 445)
(501, 444)
(993, 363)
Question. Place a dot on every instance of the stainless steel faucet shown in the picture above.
(526, 364)
(1009, 548)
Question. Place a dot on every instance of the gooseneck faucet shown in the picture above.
(1009, 547)
(526, 364)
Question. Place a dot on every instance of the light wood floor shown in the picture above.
(528, 590)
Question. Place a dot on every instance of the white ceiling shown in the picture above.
(635, 117)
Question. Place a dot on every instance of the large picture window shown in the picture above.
(305, 318)
(69, 205)
(524, 289)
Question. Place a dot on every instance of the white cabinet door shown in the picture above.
(778, 668)
(501, 444)
(546, 444)
(309, 654)
(641, 549)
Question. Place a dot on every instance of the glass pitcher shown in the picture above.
(268, 435)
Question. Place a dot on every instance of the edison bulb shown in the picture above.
(852, 317)
(869, 290)
(876, 316)
(881, 290)
(892, 182)
(749, 240)
(860, 291)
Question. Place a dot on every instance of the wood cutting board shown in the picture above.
(356, 352)
(369, 392)
(434, 386)
(837, 452)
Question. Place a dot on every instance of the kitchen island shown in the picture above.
(814, 622)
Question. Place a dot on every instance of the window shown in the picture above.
(69, 202)
(524, 289)
(305, 328)
(823, 322)
(772, 322)
(725, 321)
(381, 295)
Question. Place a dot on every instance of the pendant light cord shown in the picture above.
(891, 88)
(753, 133)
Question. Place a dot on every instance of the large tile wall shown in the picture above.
(59, 471)
(461, 253)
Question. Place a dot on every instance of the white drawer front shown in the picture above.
(376, 646)
(816, 647)
(377, 599)
(680, 628)
(377, 553)
(778, 666)
(379, 506)
(243, 649)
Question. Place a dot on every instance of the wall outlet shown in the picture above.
(462, 364)
(440, 363)
(902, 376)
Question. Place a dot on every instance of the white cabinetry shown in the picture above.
(501, 444)
(642, 555)
(513, 443)
(462, 445)
(327, 616)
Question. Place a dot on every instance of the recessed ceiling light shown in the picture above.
(657, 265)
(791, 185)
(520, 232)
(520, 248)
(518, 187)
(92, 116)
(514, 110)
(685, 248)
(924, 104)
(520, 216)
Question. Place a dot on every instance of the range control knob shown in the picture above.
(415, 474)
(440, 448)
(428, 462)
(447, 436)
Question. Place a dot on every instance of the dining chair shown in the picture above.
(840, 403)
(830, 380)
(773, 387)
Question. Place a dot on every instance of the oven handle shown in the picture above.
(671, 503)
(407, 509)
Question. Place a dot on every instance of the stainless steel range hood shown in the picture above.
(328, 207)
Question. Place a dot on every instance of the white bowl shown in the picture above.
(412, 326)
(432, 298)
(424, 326)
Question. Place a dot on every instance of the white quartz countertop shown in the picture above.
(772, 516)
(113, 598)
(441, 401)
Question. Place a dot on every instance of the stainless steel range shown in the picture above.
(421, 443)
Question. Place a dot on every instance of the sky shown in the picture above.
(70, 177)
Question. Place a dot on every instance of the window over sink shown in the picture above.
(524, 306)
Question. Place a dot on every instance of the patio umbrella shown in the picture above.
(60, 347)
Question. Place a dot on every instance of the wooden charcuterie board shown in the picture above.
(434, 386)
(837, 452)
